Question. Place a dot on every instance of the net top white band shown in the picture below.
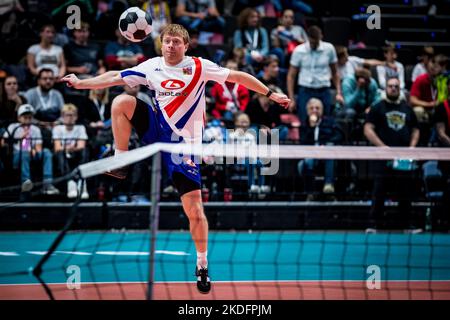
(266, 152)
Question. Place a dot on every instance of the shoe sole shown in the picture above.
(115, 176)
(198, 289)
(203, 292)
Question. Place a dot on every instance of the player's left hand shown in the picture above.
(281, 99)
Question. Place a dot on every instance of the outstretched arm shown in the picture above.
(250, 82)
(105, 80)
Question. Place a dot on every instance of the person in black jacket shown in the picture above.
(391, 123)
(318, 130)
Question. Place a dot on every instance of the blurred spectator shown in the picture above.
(392, 123)
(46, 101)
(360, 92)
(240, 58)
(10, 101)
(391, 68)
(201, 15)
(27, 147)
(135, 92)
(97, 120)
(270, 74)
(251, 36)
(318, 130)
(266, 114)
(215, 130)
(229, 97)
(442, 121)
(213, 168)
(122, 53)
(239, 5)
(84, 58)
(442, 124)
(196, 50)
(69, 143)
(159, 10)
(424, 91)
(46, 55)
(421, 67)
(8, 6)
(244, 137)
(295, 5)
(348, 64)
(316, 61)
(98, 111)
(108, 14)
(8, 17)
(287, 36)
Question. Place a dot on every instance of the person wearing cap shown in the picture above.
(27, 146)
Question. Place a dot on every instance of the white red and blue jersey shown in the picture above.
(179, 91)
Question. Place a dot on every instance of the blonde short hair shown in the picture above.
(69, 107)
(175, 30)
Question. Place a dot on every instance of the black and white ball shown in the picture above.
(135, 24)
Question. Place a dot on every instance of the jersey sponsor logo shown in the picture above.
(396, 120)
(172, 94)
(172, 84)
(178, 101)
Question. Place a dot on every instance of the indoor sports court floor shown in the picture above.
(243, 265)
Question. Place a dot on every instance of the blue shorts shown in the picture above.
(151, 127)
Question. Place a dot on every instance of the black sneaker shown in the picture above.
(120, 173)
(203, 281)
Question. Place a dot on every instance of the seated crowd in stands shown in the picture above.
(333, 93)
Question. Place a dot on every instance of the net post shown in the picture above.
(154, 219)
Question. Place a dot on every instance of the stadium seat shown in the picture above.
(432, 177)
(212, 50)
(366, 53)
(374, 74)
(306, 21)
(269, 23)
(231, 23)
(336, 30)
(408, 74)
(406, 56)
(376, 38)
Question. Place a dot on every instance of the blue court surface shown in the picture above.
(233, 256)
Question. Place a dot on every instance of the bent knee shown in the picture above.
(123, 103)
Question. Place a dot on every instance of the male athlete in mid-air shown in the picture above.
(179, 106)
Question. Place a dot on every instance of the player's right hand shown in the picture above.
(71, 80)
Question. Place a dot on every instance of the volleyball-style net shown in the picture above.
(316, 248)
